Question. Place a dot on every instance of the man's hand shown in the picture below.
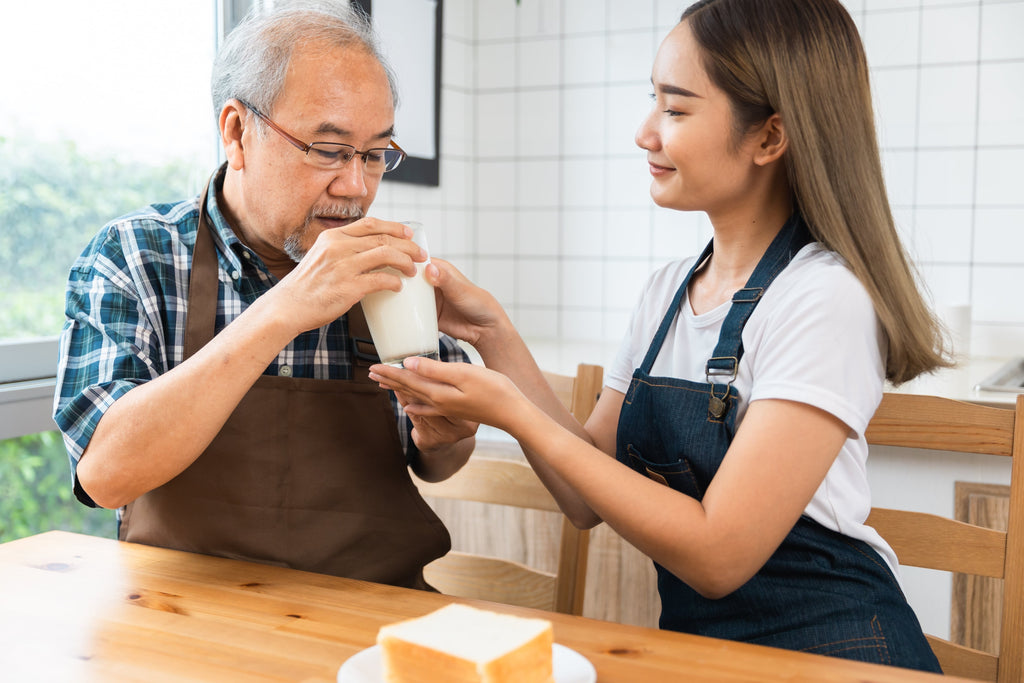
(444, 444)
(344, 265)
(433, 433)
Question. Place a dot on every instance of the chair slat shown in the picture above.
(488, 578)
(490, 480)
(931, 541)
(942, 424)
(964, 662)
(924, 540)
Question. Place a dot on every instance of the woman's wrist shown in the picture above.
(500, 344)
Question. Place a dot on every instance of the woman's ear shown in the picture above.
(772, 141)
(232, 126)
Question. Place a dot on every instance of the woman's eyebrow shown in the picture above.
(666, 89)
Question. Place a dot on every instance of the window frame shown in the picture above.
(28, 367)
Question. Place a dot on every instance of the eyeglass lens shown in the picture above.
(336, 155)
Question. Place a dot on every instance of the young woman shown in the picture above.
(736, 408)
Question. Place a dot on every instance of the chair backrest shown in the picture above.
(511, 482)
(935, 542)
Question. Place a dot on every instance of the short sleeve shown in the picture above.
(819, 343)
(107, 345)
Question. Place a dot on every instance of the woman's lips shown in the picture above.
(657, 170)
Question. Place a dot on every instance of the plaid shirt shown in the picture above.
(126, 302)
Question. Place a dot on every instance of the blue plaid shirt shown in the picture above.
(126, 302)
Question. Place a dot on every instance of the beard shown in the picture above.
(294, 244)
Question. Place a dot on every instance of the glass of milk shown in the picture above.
(404, 323)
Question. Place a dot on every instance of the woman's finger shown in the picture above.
(423, 410)
(415, 381)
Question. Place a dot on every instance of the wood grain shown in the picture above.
(943, 426)
(977, 600)
(79, 608)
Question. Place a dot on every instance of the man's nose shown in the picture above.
(350, 179)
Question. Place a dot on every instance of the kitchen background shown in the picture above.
(544, 196)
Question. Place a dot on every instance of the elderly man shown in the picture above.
(213, 374)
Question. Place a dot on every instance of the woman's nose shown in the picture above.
(646, 137)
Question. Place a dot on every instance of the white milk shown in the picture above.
(403, 323)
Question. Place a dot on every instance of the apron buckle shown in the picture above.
(364, 350)
(720, 366)
(718, 406)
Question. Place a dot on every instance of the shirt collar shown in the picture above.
(230, 247)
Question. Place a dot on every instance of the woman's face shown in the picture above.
(695, 162)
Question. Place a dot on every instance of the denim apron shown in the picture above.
(820, 591)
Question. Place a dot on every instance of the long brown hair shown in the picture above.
(803, 59)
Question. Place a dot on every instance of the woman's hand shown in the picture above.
(464, 310)
(453, 390)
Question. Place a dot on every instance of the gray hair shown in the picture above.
(253, 61)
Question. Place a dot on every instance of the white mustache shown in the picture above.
(293, 243)
(346, 210)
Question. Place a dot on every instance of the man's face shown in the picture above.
(331, 94)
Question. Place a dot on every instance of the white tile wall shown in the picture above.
(948, 119)
(938, 24)
(543, 195)
(1001, 103)
(538, 233)
(896, 97)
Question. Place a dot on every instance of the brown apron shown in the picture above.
(306, 473)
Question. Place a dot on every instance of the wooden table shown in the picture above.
(79, 608)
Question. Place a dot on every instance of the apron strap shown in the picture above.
(364, 353)
(725, 360)
(201, 313)
(673, 310)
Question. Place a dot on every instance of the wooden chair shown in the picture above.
(924, 540)
(511, 482)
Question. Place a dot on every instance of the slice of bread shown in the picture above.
(460, 644)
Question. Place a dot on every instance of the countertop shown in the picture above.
(958, 383)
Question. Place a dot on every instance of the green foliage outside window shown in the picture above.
(35, 491)
(53, 199)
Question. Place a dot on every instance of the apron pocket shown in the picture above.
(861, 640)
(676, 475)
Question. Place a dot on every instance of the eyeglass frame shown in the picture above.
(305, 147)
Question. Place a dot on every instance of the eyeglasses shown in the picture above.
(333, 155)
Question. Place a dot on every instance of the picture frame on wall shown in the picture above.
(410, 33)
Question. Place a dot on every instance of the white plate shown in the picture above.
(365, 666)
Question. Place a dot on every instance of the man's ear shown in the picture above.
(232, 126)
(772, 141)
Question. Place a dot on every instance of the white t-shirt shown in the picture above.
(813, 338)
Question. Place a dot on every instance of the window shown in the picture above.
(105, 109)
